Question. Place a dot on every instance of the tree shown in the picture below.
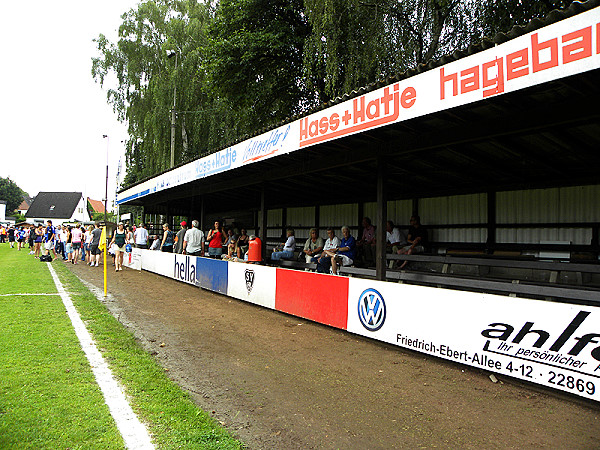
(254, 60)
(147, 80)
(11, 193)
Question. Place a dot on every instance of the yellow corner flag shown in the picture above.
(102, 243)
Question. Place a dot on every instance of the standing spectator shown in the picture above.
(87, 244)
(50, 237)
(2, 234)
(141, 237)
(11, 236)
(20, 235)
(193, 241)
(31, 239)
(215, 241)
(39, 237)
(119, 239)
(95, 246)
(178, 247)
(76, 237)
(168, 239)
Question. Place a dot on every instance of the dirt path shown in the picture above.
(277, 381)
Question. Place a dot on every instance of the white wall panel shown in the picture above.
(338, 215)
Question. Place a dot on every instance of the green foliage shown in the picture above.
(247, 64)
(254, 60)
(11, 193)
(99, 217)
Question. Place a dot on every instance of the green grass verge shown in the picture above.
(46, 382)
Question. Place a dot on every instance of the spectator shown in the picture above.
(417, 239)
(95, 246)
(69, 245)
(286, 249)
(32, 229)
(230, 242)
(168, 239)
(366, 246)
(20, 236)
(313, 246)
(332, 243)
(242, 244)
(395, 238)
(193, 241)
(119, 239)
(87, 244)
(178, 247)
(155, 243)
(141, 237)
(215, 241)
(76, 238)
(343, 255)
(11, 236)
(50, 236)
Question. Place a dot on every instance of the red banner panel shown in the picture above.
(313, 296)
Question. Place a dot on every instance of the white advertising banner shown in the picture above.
(553, 344)
(565, 48)
(184, 269)
(133, 259)
(158, 262)
(252, 283)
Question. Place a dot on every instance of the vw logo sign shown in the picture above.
(371, 309)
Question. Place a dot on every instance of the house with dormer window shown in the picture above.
(59, 207)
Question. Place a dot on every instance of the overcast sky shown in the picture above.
(53, 113)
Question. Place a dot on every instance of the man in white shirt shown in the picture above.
(141, 237)
(332, 243)
(395, 238)
(193, 241)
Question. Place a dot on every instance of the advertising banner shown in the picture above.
(184, 269)
(552, 344)
(133, 259)
(212, 274)
(313, 296)
(158, 262)
(559, 50)
(252, 283)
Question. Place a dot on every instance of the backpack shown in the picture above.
(46, 258)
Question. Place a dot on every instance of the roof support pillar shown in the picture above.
(262, 220)
(380, 233)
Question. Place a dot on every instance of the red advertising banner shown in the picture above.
(322, 298)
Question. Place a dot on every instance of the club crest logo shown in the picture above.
(249, 275)
(371, 309)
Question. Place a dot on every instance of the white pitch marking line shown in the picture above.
(134, 433)
(25, 295)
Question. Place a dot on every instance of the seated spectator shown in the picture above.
(417, 239)
(313, 246)
(230, 242)
(286, 249)
(395, 238)
(332, 243)
(343, 255)
(241, 246)
(366, 246)
(155, 243)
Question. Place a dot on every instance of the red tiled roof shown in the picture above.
(96, 205)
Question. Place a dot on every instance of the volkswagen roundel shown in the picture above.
(371, 309)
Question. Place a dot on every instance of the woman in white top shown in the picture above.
(88, 243)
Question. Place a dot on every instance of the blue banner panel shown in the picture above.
(212, 274)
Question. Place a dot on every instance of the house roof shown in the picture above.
(96, 205)
(54, 205)
(23, 206)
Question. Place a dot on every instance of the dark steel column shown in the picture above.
(380, 261)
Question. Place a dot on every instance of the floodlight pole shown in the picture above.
(170, 54)
(105, 216)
